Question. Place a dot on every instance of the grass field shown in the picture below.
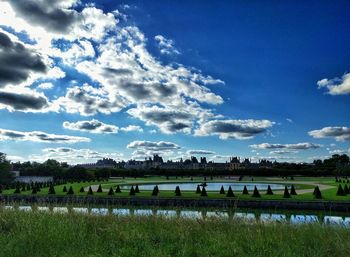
(37, 234)
(301, 183)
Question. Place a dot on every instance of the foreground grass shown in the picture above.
(47, 234)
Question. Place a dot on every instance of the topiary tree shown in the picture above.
(177, 191)
(23, 188)
(90, 192)
(204, 192)
(317, 193)
(286, 192)
(245, 191)
(64, 189)
(51, 190)
(99, 189)
(17, 190)
(230, 192)
(137, 190)
(205, 178)
(70, 191)
(132, 191)
(292, 190)
(28, 187)
(0, 189)
(111, 192)
(346, 190)
(117, 190)
(222, 190)
(191, 178)
(82, 190)
(198, 191)
(256, 192)
(340, 191)
(34, 191)
(155, 191)
(269, 190)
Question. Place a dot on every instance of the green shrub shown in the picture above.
(155, 191)
(117, 190)
(99, 189)
(137, 190)
(64, 189)
(82, 190)
(317, 193)
(17, 190)
(346, 190)
(230, 192)
(111, 192)
(132, 191)
(34, 191)
(340, 191)
(198, 191)
(23, 188)
(245, 191)
(269, 190)
(292, 190)
(51, 190)
(286, 193)
(256, 192)
(222, 190)
(204, 192)
(177, 191)
(90, 192)
(70, 191)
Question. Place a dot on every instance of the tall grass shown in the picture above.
(35, 234)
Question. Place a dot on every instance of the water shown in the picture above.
(211, 186)
(246, 216)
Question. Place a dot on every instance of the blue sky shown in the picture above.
(130, 79)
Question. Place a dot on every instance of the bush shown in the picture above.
(198, 191)
(137, 190)
(177, 191)
(269, 190)
(346, 190)
(99, 189)
(155, 191)
(286, 192)
(23, 188)
(340, 191)
(230, 192)
(245, 191)
(64, 189)
(51, 190)
(132, 191)
(111, 192)
(90, 192)
(70, 191)
(222, 190)
(204, 192)
(317, 193)
(82, 190)
(34, 191)
(292, 190)
(256, 192)
(17, 191)
(117, 190)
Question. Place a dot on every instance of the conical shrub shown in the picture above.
(204, 192)
(256, 192)
(292, 190)
(64, 189)
(137, 190)
(222, 190)
(82, 190)
(346, 190)
(230, 192)
(317, 193)
(177, 191)
(117, 190)
(34, 191)
(70, 191)
(90, 192)
(245, 191)
(269, 190)
(132, 191)
(111, 192)
(198, 191)
(155, 191)
(23, 188)
(340, 191)
(51, 190)
(99, 189)
(17, 190)
(286, 193)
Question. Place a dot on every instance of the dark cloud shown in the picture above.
(204, 152)
(23, 102)
(93, 126)
(153, 146)
(338, 133)
(46, 13)
(17, 61)
(298, 146)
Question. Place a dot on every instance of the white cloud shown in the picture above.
(200, 152)
(166, 46)
(336, 86)
(131, 128)
(151, 145)
(298, 146)
(92, 126)
(338, 133)
(45, 86)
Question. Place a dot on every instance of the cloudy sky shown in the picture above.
(82, 80)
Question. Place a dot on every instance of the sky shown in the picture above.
(85, 80)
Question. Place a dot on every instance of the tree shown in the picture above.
(286, 192)
(269, 190)
(256, 192)
(17, 191)
(6, 176)
(317, 193)
(245, 191)
(34, 191)
(70, 191)
(99, 189)
(204, 192)
(198, 191)
(137, 190)
(117, 190)
(82, 190)
(132, 191)
(111, 192)
(177, 191)
(222, 190)
(230, 192)
(292, 190)
(155, 191)
(64, 189)
(51, 190)
(346, 190)
(90, 192)
(340, 191)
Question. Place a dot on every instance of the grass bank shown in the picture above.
(37, 234)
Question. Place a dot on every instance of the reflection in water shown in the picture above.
(248, 217)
